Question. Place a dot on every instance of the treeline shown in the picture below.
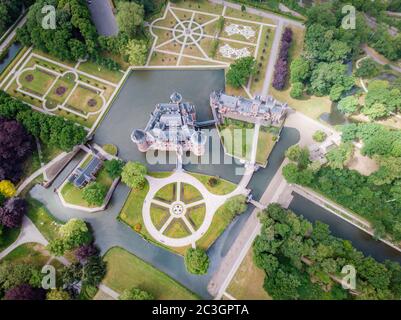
(303, 261)
(10, 10)
(321, 69)
(52, 130)
(376, 197)
(281, 66)
(74, 37)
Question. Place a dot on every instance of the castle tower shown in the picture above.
(198, 142)
(139, 137)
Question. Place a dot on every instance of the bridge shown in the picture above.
(204, 124)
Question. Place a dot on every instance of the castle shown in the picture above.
(171, 127)
(267, 112)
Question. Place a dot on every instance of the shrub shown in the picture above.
(196, 261)
(213, 181)
(135, 294)
(319, 136)
(297, 90)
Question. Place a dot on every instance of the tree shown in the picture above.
(12, 212)
(74, 33)
(299, 155)
(367, 69)
(84, 252)
(130, 17)
(15, 146)
(348, 105)
(114, 168)
(137, 52)
(7, 188)
(25, 292)
(235, 206)
(240, 71)
(136, 294)
(297, 90)
(319, 136)
(300, 70)
(75, 233)
(133, 175)
(58, 294)
(56, 247)
(375, 111)
(196, 261)
(340, 156)
(12, 275)
(93, 271)
(94, 193)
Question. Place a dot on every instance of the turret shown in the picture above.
(139, 137)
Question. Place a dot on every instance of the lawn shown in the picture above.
(101, 72)
(189, 193)
(111, 149)
(160, 174)
(196, 215)
(60, 96)
(43, 220)
(266, 142)
(221, 219)
(73, 195)
(222, 187)
(237, 139)
(131, 213)
(247, 283)
(158, 215)
(167, 193)
(81, 98)
(126, 271)
(36, 81)
(200, 5)
(177, 229)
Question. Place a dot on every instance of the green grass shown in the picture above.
(28, 253)
(237, 140)
(167, 193)
(266, 143)
(80, 98)
(197, 215)
(158, 215)
(8, 237)
(190, 193)
(101, 72)
(43, 220)
(40, 84)
(160, 174)
(61, 82)
(74, 195)
(177, 229)
(223, 187)
(131, 213)
(127, 271)
(111, 149)
(221, 219)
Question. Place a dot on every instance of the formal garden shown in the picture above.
(202, 34)
(54, 86)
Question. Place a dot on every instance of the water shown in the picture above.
(130, 110)
(12, 52)
(345, 230)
